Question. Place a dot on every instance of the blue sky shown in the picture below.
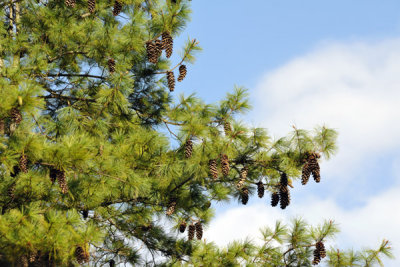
(307, 63)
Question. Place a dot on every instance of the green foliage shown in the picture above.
(119, 138)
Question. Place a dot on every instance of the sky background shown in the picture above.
(309, 63)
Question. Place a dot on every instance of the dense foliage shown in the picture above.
(96, 150)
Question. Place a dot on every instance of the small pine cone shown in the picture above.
(188, 148)
(243, 177)
(158, 48)
(245, 195)
(227, 128)
(53, 175)
(199, 230)
(171, 207)
(92, 6)
(111, 65)
(316, 173)
(321, 249)
(191, 231)
(117, 8)
(2, 126)
(70, 3)
(225, 165)
(182, 227)
(284, 179)
(171, 80)
(284, 196)
(16, 116)
(182, 73)
(167, 43)
(23, 163)
(212, 164)
(62, 181)
(33, 256)
(305, 173)
(11, 191)
(151, 49)
(317, 257)
(274, 199)
(81, 255)
(260, 189)
(23, 261)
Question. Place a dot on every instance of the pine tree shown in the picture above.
(86, 102)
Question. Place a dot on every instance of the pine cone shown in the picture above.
(317, 257)
(188, 148)
(81, 255)
(117, 8)
(182, 227)
(225, 165)
(158, 48)
(33, 256)
(274, 199)
(199, 230)
(112, 263)
(23, 261)
(191, 231)
(260, 189)
(23, 163)
(321, 249)
(70, 3)
(171, 207)
(151, 49)
(182, 73)
(243, 177)
(92, 6)
(284, 196)
(284, 179)
(2, 126)
(212, 164)
(245, 195)
(11, 191)
(171, 81)
(111, 65)
(311, 167)
(227, 128)
(62, 181)
(167, 43)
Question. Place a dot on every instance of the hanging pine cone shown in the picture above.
(243, 177)
(225, 165)
(182, 227)
(284, 196)
(81, 255)
(321, 249)
(117, 8)
(167, 43)
(171, 81)
(111, 65)
(11, 191)
(62, 181)
(317, 257)
(199, 230)
(212, 164)
(152, 52)
(171, 207)
(260, 189)
(33, 256)
(92, 6)
(158, 48)
(70, 3)
(2, 126)
(245, 195)
(284, 179)
(188, 148)
(274, 199)
(191, 231)
(23, 163)
(23, 261)
(305, 173)
(311, 167)
(182, 73)
(227, 128)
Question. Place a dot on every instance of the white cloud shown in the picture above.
(354, 88)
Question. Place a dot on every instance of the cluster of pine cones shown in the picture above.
(194, 228)
(283, 196)
(319, 253)
(213, 166)
(311, 166)
(92, 6)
